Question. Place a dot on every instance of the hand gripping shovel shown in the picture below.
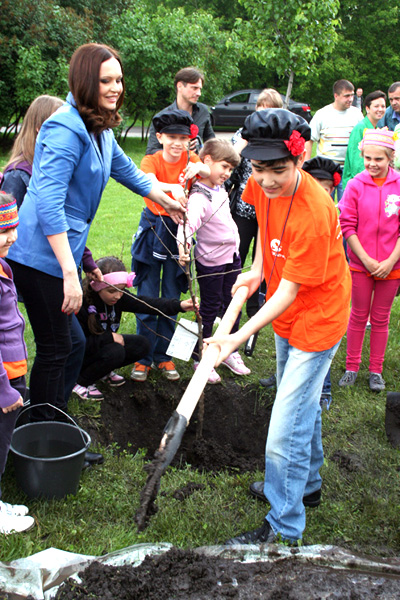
(176, 426)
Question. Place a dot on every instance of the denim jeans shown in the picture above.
(162, 278)
(293, 454)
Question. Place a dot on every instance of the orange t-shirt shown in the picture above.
(19, 367)
(166, 173)
(311, 254)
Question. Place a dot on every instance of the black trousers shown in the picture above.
(248, 229)
(7, 423)
(112, 356)
(43, 296)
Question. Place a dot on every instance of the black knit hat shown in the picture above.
(173, 121)
(323, 168)
(274, 133)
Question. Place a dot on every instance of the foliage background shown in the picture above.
(233, 41)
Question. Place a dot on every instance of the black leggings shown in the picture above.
(7, 423)
(112, 356)
(248, 229)
(43, 296)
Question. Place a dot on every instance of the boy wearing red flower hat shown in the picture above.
(154, 245)
(300, 254)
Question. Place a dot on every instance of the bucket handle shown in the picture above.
(26, 408)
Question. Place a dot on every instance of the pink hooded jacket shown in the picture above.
(373, 213)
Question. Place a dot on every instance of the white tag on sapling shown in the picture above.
(184, 339)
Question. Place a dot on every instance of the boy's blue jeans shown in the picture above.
(294, 454)
(161, 281)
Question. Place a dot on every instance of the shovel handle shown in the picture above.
(198, 382)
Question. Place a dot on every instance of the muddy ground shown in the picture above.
(235, 423)
(186, 575)
(235, 427)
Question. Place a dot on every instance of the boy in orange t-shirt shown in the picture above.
(300, 254)
(154, 249)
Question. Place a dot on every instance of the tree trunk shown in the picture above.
(289, 89)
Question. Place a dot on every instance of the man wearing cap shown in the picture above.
(300, 255)
(331, 125)
(391, 118)
(188, 84)
(375, 105)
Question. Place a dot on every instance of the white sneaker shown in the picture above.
(13, 510)
(13, 524)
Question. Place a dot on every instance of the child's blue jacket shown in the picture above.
(70, 171)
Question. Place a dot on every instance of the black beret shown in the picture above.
(173, 121)
(322, 168)
(266, 132)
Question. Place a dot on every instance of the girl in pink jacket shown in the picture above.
(370, 223)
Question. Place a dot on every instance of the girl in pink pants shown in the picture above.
(370, 223)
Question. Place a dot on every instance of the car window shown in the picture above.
(239, 98)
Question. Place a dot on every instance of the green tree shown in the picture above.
(366, 52)
(290, 35)
(37, 40)
(154, 46)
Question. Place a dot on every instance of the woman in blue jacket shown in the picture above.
(75, 155)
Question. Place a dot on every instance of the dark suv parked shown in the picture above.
(232, 110)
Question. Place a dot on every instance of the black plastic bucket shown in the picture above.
(48, 457)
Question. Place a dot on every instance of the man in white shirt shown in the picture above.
(331, 125)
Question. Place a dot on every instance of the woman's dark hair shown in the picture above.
(84, 81)
(108, 264)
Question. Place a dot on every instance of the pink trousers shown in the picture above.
(379, 311)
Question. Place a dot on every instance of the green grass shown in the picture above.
(360, 508)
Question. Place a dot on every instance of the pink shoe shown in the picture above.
(213, 378)
(235, 363)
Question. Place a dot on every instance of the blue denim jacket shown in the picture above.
(388, 120)
(70, 171)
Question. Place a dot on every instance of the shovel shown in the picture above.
(176, 426)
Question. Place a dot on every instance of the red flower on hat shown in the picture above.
(295, 144)
(336, 179)
(194, 131)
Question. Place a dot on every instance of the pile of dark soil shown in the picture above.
(186, 575)
(235, 423)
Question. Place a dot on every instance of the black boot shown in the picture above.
(92, 458)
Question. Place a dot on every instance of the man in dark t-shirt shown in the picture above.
(188, 84)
